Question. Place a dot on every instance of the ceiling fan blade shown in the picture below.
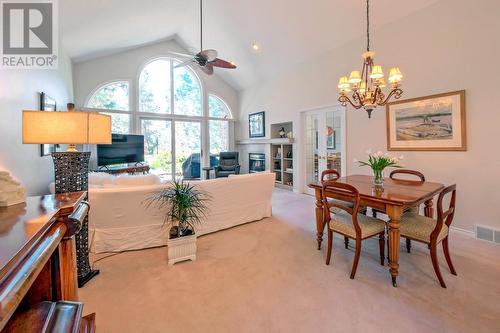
(184, 63)
(209, 54)
(208, 69)
(181, 54)
(222, 63)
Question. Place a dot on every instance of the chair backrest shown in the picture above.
(342, 193)
(329, 174)
(228, 158)
(407, 172)
(445, 217)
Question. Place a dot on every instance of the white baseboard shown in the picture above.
(464, 232)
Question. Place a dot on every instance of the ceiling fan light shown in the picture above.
(355, 77)
(377, 72)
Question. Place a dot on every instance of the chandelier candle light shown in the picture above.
(366, 86)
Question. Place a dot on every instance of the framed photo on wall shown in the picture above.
(430, 123)
(47, 103)
(257, 125)
(330, 138)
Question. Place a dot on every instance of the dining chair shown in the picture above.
(414, 209)
(431, 232)
(331, 174)
(348, 221)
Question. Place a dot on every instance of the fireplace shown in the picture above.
(256, 162)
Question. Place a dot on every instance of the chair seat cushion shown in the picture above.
(420, 227)
(370, 226)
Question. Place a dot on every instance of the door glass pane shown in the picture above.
(219, 136)
(187, 92)
(158, 146)
(188, 149)
(154, 87)
(333, 143)
(312, 148)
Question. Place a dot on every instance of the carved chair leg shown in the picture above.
(356, 258)
(330, 245)
(408, 245)
(435, 264)
(346, 242)
(446, 251)
(381, 243)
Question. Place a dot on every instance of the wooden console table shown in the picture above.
(38, 276)
(131, 169)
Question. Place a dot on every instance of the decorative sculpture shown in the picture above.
(11, 192)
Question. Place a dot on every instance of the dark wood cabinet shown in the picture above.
(38, 276)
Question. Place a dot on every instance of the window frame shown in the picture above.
(136, 115)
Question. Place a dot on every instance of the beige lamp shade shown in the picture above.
(355, 77)
(377, 72)
(74, 127)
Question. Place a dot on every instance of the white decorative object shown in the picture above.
(11, 192)
(181, 249)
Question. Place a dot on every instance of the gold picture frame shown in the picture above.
(429, 123)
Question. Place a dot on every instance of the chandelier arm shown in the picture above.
(344, 99)
(397, 92)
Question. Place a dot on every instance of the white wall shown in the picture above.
(448, 46)
(19, 90)
(127, 65)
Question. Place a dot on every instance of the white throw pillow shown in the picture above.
(100, 178)
(137, 180)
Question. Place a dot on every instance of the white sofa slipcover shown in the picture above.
(119, 220)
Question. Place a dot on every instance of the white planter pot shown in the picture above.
(181, 249)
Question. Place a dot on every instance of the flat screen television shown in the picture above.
(125, 148)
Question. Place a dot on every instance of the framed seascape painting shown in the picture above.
(47, 103)
(432, 123)
(256, 125)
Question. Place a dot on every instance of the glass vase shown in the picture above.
(378, 177)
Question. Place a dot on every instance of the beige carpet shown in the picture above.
(267, 276)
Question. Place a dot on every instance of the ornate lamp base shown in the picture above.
(71, 171)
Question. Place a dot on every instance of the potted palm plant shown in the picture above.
(185, 206)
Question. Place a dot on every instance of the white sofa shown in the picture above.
(119, 220)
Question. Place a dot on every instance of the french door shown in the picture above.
(324, 142)
(171, 144)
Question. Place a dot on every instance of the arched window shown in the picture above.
(113, 96)
(218, 129)
(217, 108)
(171, 112)
(159, 94)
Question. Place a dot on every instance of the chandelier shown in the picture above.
(365, 87)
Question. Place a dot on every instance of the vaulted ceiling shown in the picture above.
(289, 32)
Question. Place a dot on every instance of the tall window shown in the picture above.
(158, 93)
(171, 114)
(218, 128)
(113, 97)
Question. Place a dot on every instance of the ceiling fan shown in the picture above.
(206, 59)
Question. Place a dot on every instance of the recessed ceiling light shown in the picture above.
(255, 46)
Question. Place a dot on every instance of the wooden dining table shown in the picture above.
(394, 197)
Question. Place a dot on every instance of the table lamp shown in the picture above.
(71, 168)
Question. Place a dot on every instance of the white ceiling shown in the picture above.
(288, 31)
